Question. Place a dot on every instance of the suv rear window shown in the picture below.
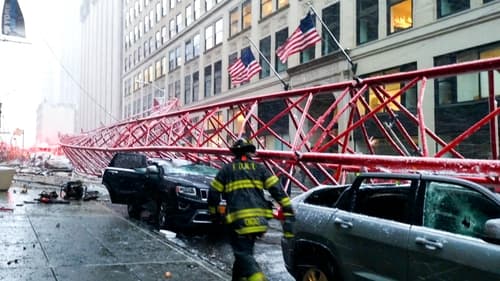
(128, 161)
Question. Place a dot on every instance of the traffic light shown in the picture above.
(12, 19)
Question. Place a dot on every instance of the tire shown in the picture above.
(318, 271)
(134, 211)
(162, 214)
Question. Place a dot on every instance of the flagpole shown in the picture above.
(286, 87)
(353, 65)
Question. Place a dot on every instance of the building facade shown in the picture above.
(100, 76)
(182, 49)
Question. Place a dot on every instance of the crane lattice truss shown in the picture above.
(323, 133)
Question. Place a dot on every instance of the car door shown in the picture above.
(448, 244)
(125, 178)
(377, 231)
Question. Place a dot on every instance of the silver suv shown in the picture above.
(396, 227)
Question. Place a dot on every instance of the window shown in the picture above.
(367, 21)
(164, 34)
(196, 85)
(158, 40)
(164, 6)
(400, 16)
(217, 77)
(230, 60)
(178, 20)
(141, 29)
(407, 99)
(308, 54)
(177, 89)
(136, 33)
(146, 48)
(331, 17)
(280, 37)
(265, 49)
(178, 57)
(266, 8)
(197, 9)
(171, 93)
(151, 73)
(188, 50)
(282, 4)
(208, 81)
(171, 60)
(139, 51)
(390, 204)
(187, 89)
(196, 45)
(158, 12)
(246, 10)
(146, 23)
(457, 209)
(158, 70)
(219, 32)
(146, 75)
(448, 7)
(151, 45)
(209, 4)
(234, 22)
(209, 37)
(189, 14)
(151, 19)
(465, 87)
(172, 28)
(172, 4)
(164, 65)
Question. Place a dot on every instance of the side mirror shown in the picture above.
(152, 170)
(492, 230)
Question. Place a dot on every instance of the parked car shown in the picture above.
(175, 191)
(396, 227)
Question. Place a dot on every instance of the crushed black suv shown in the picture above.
(173, 190)
(388, 226)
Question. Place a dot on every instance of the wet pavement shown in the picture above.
(95, 240)
(86, 240)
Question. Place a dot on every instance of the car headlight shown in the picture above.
(186, 190)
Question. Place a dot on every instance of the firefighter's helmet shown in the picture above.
(242, 146)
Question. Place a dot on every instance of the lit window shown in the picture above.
(151, 73)
(400, 15)
(158, 70)
(164, 65)
(282, 4)
(247, 14)
(234, 18)
(146, 75)
(266, 8)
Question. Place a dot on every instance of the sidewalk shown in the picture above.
(85, 241)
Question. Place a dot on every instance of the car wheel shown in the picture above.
(162, 214)
(321, 271)
(134, 211)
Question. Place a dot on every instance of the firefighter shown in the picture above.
(242, 183)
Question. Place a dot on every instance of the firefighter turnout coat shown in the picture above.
(242, 184)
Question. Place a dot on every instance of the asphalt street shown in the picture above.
(95, 240)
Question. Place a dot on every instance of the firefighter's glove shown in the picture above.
(288, 226)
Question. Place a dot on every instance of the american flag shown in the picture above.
(303, 37)
(243, 68)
